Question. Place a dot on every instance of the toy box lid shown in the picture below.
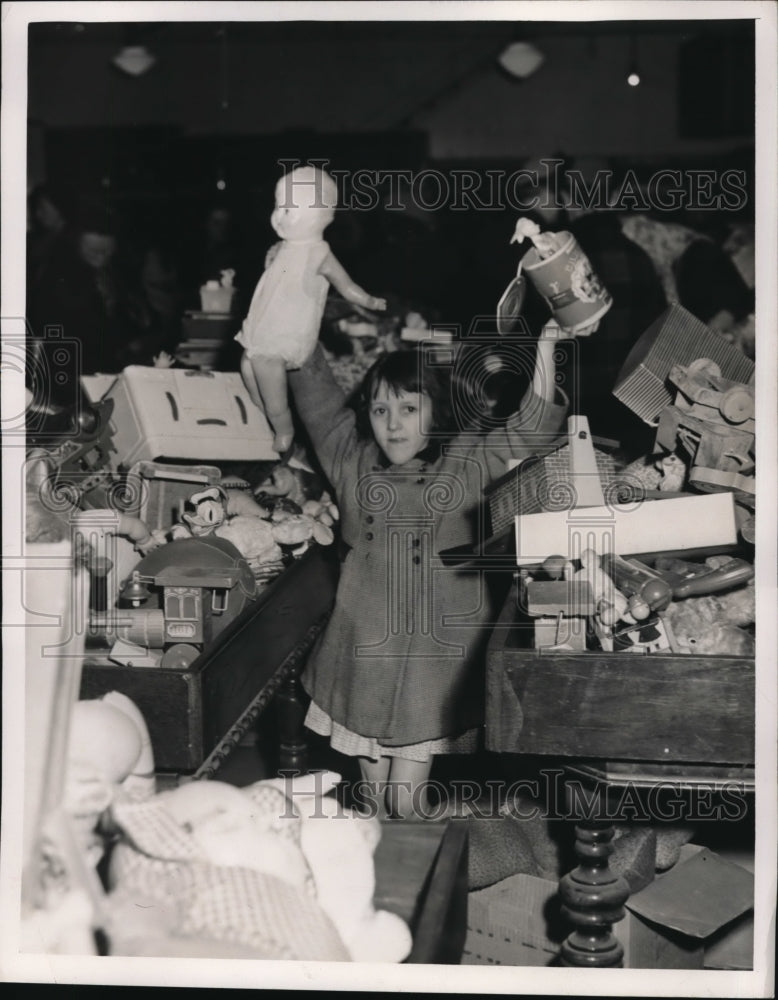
(700, 894)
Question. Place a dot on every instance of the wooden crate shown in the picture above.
(616, 706)
(189, 711)
(421, 875)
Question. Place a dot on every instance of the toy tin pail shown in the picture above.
(566, 280)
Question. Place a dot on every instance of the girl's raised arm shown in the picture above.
(321, 404)
(537, 423)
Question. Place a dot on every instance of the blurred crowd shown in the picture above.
(120, 281)
(117, 281)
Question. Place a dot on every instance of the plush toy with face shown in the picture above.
(210, 511)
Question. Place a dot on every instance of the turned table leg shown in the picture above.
(293, 748)
(593, 900)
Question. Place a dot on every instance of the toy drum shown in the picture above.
(567, 282)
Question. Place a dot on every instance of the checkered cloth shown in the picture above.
(353, 745)
(158, 860)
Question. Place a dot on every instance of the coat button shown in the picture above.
(417, 559)
(369, 536)
(369, 518)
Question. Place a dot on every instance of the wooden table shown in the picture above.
(197, 715)
(615, 718)
(421, 875)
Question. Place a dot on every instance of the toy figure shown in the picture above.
(209, 512)
(282, 325)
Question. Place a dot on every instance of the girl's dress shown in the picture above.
(402, 657)
(287, 305)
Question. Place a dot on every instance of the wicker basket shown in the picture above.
(539, 484)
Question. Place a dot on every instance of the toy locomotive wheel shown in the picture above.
(704, 366)
(180, 656)
(737, 405)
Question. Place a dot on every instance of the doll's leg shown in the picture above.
(407, 798)
(247, 374)
(270, 375)
(374, 776)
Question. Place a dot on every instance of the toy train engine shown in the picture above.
(179, 598)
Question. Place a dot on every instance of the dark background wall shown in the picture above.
(696, 94)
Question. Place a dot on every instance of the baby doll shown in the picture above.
(282, 325)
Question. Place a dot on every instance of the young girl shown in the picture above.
(398, 674)
(285, 314)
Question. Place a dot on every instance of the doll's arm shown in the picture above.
(338, 277)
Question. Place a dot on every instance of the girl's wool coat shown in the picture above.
(402, 657)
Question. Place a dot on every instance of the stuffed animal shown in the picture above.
(254, 537)
(256, 531)
(209, 511)
(715, 623)
(339, 845)
(210, 863)
(275, 865)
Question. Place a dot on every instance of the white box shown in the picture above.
(678, 523)
(171, 413)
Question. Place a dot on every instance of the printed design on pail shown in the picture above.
(584, 283)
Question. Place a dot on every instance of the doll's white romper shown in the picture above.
(288, 304)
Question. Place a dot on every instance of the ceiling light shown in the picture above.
(633, 74)
(135, 60)
(521, 59)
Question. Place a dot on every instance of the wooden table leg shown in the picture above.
(293, 748)
(593, 900)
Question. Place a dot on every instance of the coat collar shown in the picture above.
(420, 463)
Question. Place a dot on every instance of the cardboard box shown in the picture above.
(669, 922)
(733, 948)
(703, 900)
(514, 922)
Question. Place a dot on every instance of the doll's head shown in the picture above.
(306, 199)
(405, 403)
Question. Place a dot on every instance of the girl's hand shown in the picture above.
(163, 360)
(379, 305)
(586, 331)
(552, 331)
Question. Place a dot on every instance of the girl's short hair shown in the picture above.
(408, 371)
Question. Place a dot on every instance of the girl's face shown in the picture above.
(401, 422)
